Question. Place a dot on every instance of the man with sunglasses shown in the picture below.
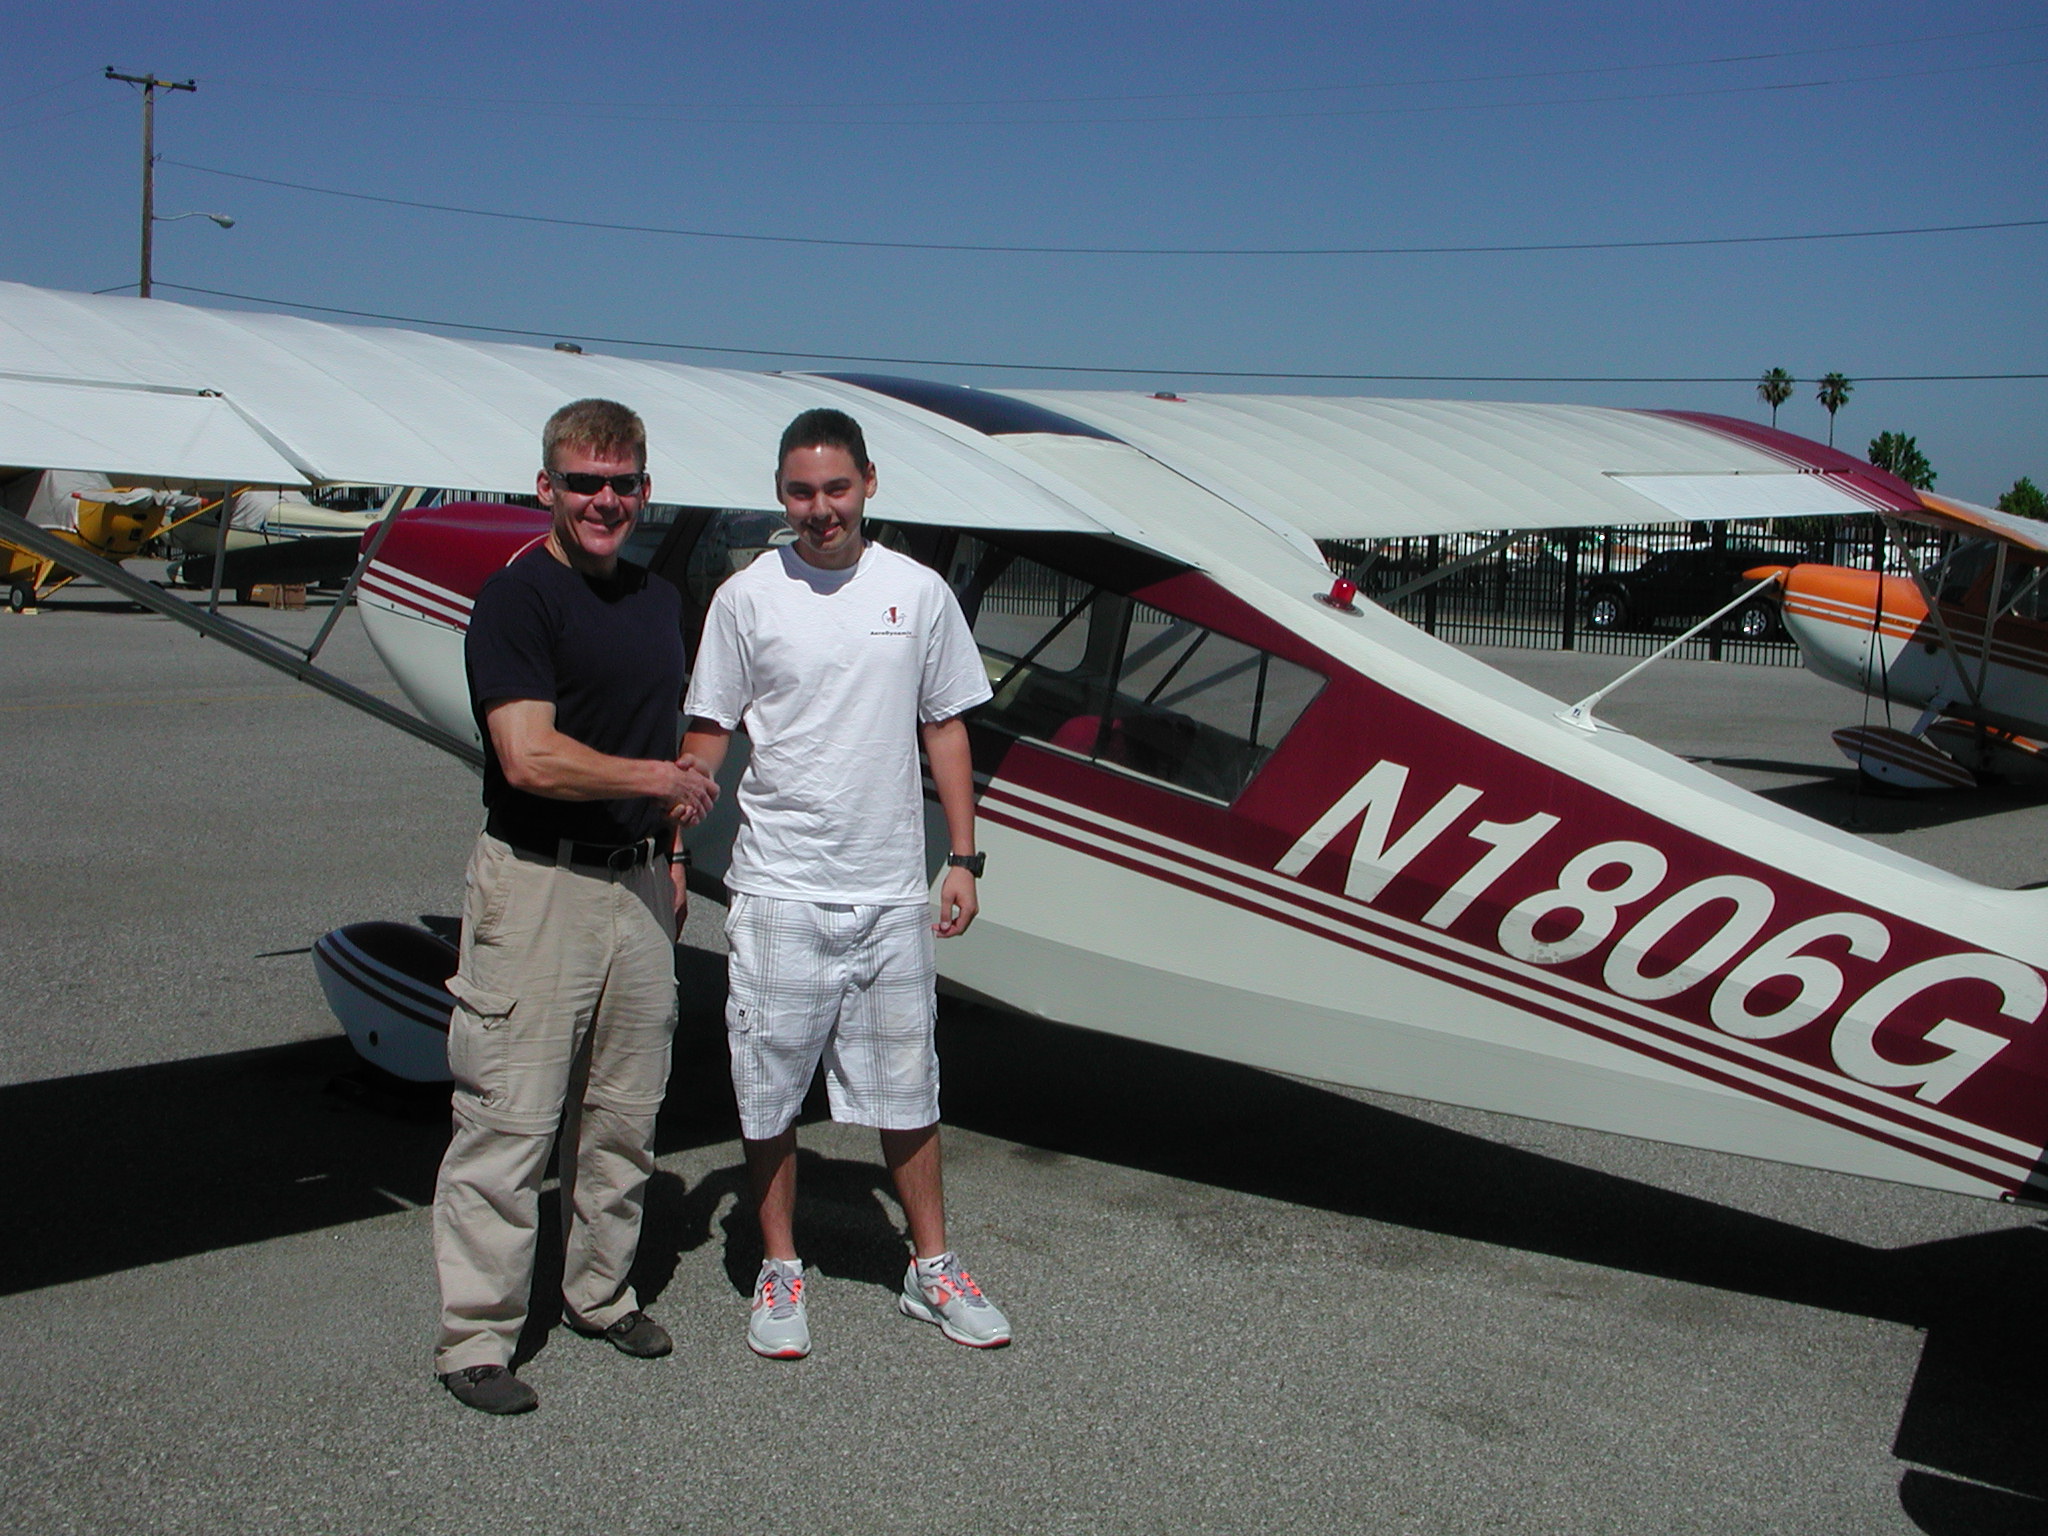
(566, 989)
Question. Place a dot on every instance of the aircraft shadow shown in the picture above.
(1832, 796)
(120, 1169)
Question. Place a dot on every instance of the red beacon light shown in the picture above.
(1341, 594)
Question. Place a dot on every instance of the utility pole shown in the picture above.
(149, 84)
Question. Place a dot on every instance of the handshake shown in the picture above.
(686, 791)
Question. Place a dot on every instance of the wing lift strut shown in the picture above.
(251, 642)
(1581, 713)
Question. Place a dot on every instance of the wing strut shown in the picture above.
(1581, 713)
(241, 637)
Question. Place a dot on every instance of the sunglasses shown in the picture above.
(590, 485)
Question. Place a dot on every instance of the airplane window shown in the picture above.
(1198, 709)
(1962, 570)
(729, 545)
(2021, 593)
(652, 527)
(1091, 672)
(1020, 610)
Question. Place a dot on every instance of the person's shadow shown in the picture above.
(847, 1218)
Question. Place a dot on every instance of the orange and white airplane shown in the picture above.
(1963, 644)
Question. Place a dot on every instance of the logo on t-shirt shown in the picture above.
(896, 620)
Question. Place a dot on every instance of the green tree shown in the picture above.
(1834, 393)
(2025, 499)
(1902, 456)
(1774, 389)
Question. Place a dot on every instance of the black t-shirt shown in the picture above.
(607, 654)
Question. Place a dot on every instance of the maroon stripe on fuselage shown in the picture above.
(1357, 723)
(1205, 884)
(460, 545)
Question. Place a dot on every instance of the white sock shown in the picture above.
(933, 1266)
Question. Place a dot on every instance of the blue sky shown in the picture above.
(1129, 125)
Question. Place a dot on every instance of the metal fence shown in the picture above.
(1529, 591)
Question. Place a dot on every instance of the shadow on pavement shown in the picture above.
(120, 1169)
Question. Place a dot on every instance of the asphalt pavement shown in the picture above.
(1242, 1302)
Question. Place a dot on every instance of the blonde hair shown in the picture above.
(601, 427)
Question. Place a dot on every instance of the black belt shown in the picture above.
(616, 857)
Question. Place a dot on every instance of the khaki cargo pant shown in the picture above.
(565, 1009)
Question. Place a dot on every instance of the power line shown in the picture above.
(1104, 250)
(1174, 372)
(844, 119)
(441, 99)
(31, 122)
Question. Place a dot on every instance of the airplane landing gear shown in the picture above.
(20, 597)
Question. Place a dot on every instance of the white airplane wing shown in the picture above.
(136, 387)
(1350, 468)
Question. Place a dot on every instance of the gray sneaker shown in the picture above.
(777, 1328)
(951, 1299)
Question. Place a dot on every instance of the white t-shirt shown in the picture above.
(831, 672)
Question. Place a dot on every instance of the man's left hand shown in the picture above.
(959, 902)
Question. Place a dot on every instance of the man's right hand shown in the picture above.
(686, 791)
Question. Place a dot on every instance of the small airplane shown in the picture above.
(87, 513)
(1963, 642)
(272, 536)
(1227, 807)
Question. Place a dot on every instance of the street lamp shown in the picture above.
(222, 219)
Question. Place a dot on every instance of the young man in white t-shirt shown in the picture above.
(838, 655)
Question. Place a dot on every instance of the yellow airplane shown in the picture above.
(114, 523)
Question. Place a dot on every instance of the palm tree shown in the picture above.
(1834, 393)
(1774, 389)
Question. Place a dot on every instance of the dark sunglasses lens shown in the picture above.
(590, 485)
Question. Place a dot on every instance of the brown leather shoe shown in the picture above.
(635, 1334)
(491, 1389)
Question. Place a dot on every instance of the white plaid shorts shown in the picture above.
(853, 986)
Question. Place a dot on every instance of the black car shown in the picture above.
(1686, 584)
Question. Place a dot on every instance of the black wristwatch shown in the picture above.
(973, 863)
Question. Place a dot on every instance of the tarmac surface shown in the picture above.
(1242, 1302)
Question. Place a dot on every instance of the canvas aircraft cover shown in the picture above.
(1350, 468)
(147, 387)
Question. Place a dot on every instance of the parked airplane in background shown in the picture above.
(1965, 645)
(1226, 807)
(272, 536)
(86, 512)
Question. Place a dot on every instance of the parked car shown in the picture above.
(1686, 584)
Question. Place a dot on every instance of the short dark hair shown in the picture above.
(823, 427)
(604, 428)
